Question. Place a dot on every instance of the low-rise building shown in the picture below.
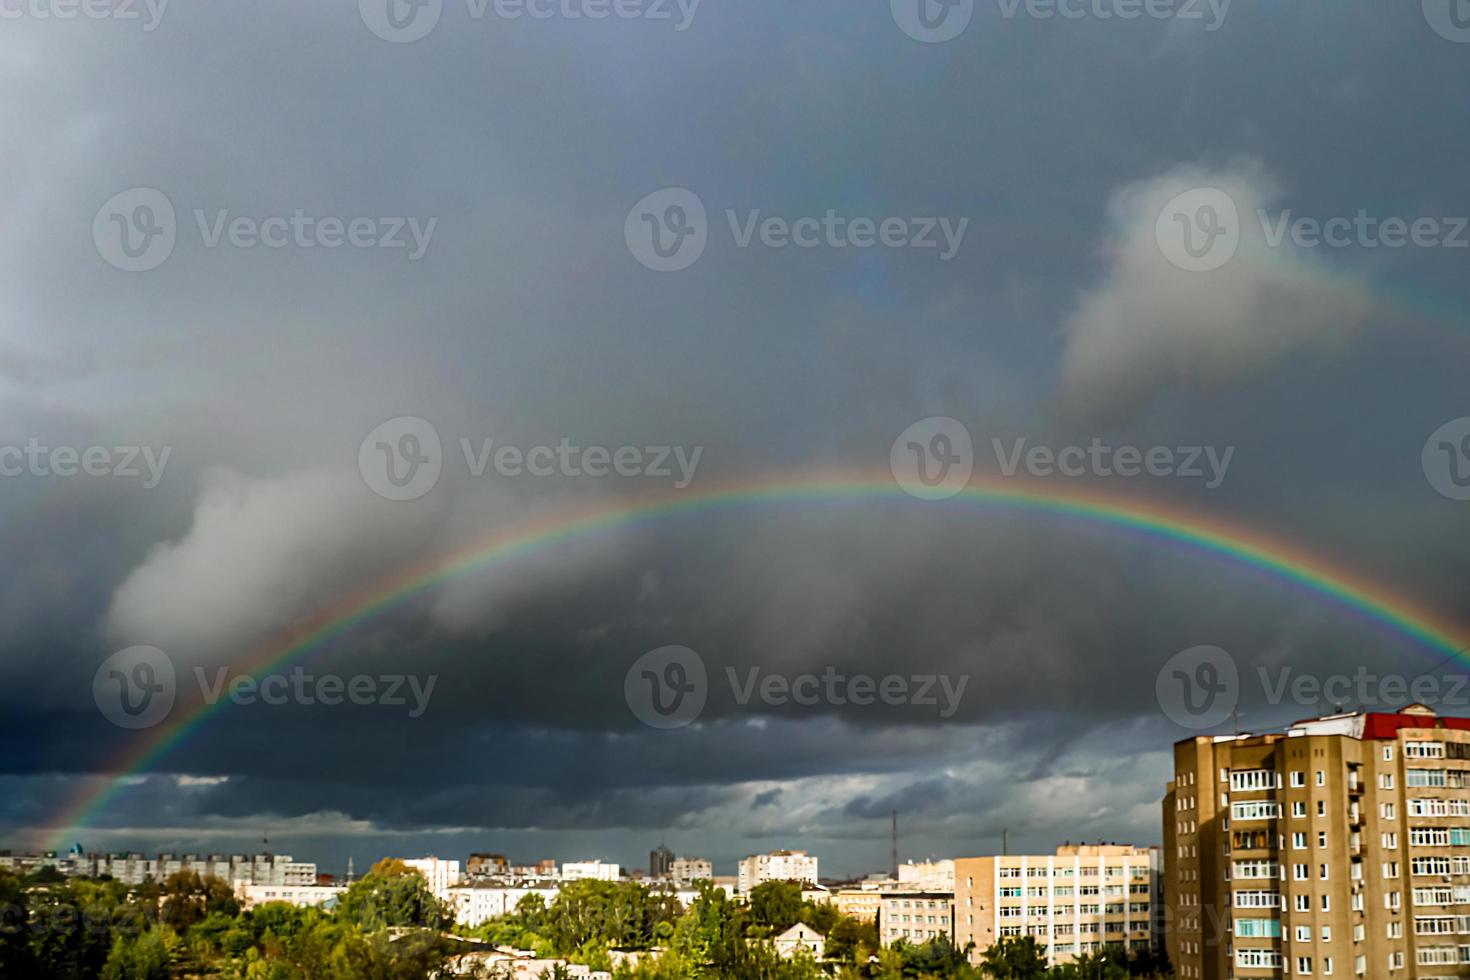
(936, 876)
(915, 917)
(476, 903)
(858, 903)
(250, 895)
(596, 870)
(486, 864)
(690, 869)
(801, 937)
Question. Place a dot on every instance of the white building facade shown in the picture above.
(777, 866)
(596, 870)
(927, 876)
(442, 875)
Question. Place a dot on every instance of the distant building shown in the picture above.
(486, 864)
(915, 917)
(660, 862)
(777, 866)
(473, 904)
(936, 876)
(135, 868)
(857, 903)
(801, 937)
(597, 870)
(250, 895)
(1076, 901)
(442, 875)
(686, 870)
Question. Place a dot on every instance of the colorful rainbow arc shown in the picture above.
(1276, 558)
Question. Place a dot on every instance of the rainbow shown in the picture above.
(1272, 556)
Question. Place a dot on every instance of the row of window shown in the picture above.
(1067, 871)
(1087, 908)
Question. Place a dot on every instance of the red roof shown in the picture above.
(1386, 726)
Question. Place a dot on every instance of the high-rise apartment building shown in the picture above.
(1339, 847)
(135, 868)
(777, 866)
(660, 862)
(1076, 901)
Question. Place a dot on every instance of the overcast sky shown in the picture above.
(1045, 158)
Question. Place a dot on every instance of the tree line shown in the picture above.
(389, 926)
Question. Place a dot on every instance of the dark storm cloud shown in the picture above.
(528, 321)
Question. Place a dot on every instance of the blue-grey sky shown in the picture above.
(1063, 146)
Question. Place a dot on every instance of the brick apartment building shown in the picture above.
(1339, 847)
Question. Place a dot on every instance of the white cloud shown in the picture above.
(1150, 327)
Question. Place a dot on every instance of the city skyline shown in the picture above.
(427, 428)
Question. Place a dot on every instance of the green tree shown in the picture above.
(392, 895)
(189, 899)
(144, 957)
(1014, 959)
(775, 906)
(848, 935)
(15, 951)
